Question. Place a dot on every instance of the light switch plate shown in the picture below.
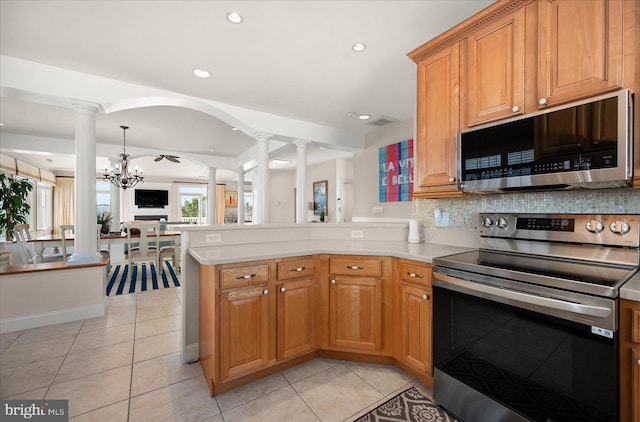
(213, 238)
(357, 234)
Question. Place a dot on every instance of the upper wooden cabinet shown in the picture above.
(580, 49)
(438, 120)
(516, 57)
(495, 70)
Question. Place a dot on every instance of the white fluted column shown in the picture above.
(211, 197)
(85, 251)
(301, 180)
(114, 203)
(261, 201)
(240, 172)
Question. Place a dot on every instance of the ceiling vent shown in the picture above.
(381, 121)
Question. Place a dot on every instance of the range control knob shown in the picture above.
(620, 227)
(503, 223)
(594, 226)
(487, 222)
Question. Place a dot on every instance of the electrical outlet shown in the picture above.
(443, 221)
(357, 234)
(213, 238)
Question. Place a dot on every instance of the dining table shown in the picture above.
(55, 241)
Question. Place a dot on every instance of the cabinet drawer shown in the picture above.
(414, 273)
(635, 326)
(244, 276)
(355, 266)
(296, 269)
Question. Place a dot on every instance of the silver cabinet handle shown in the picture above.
(245, 277)
(355, 267)
(452, 179)
(414, 275)
(299, 269)
(542, 101)
(333, 281)
(515, 109)
(638, 362)
(425, 297)
(265, 292)
(282, 289)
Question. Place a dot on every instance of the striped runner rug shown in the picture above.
(144, 277)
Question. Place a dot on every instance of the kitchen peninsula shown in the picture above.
(293, 289)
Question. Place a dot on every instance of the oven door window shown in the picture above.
(541, 367)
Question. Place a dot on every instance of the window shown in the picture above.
(193, 204)
(44, 206)
(248, 206)
(103, 197)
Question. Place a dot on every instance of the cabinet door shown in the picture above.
(580, 49)
(355, 313)
(635, 384)
(296, 318)
(437, 123)
(416, 327)
(244, 331)
(495, 70)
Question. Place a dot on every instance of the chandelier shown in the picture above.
(121, 176)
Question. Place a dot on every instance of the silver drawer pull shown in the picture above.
(333, 281)
(425, 297)
(265, 292)
(414, 275)
(245, 277)
(297, 270)
(282, 289)
(355, 267)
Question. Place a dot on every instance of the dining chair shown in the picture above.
(64, 228)
(144, 248)
(23, 235)
(104, 252)
(168, 251)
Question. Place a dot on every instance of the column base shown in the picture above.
(84, 258)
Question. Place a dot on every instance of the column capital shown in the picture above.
(262, 136)
(301, 142)
(85, 107)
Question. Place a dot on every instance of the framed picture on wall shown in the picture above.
(320, 198)
(231, 198)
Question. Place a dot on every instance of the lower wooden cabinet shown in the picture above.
(354, 313)
(415, 330)
(244, 331)
(296, 318)
(629, 360)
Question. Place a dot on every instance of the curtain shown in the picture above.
(63, 203)
(220, 204)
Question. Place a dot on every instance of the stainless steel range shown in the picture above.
(525, 328)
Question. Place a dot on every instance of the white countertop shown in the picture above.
(424, 252)
(631, 289)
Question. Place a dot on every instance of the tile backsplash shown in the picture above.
(463, 211)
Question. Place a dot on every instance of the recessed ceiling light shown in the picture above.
(1, 124)
(201, 73)
(234, 17)
(358, 47)
(364, 117)
(212, 150)
(234, 128)
(276, 163)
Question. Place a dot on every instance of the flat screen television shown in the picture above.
(150, 198)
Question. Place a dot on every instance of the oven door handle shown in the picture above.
(561, 305)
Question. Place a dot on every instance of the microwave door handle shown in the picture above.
(561, 305)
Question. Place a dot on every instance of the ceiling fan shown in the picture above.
(171, 158)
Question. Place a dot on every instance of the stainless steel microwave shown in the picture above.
(586, 144)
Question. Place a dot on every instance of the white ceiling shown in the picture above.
(287, 58)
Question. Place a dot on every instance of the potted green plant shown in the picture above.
(14, 206)
(105, 220)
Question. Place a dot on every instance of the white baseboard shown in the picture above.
(191, 352)
(53, 317)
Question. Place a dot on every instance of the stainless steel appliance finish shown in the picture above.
(538, 305)
(586, 144)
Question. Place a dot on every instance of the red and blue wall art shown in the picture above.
(396, 172)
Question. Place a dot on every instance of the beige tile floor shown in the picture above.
(126, 366)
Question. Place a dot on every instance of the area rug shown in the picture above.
(144, 277)
(407, 406)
